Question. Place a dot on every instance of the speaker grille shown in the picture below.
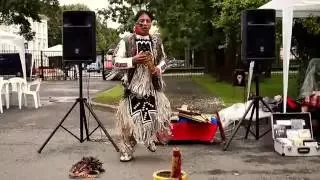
(258, 35)
(79, 36)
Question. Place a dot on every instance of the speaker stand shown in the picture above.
(83, 121)
(255, 107)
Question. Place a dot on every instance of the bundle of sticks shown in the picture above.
(150, 61)
(88, 167)
(176, 172)
(193, 115)
(150, 64)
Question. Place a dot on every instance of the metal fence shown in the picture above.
(49, 65)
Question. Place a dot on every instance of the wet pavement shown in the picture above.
(22, 132)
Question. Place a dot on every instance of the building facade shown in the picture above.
(40, 40)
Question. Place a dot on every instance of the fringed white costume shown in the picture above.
(145, 110)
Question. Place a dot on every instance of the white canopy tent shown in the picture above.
(288, 9)
(53, 51)
(18, 41)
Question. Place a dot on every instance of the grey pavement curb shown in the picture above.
(109, 107)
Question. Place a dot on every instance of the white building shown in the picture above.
(34, 47)
(40, 40)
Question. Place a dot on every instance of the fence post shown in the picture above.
(41, 61)
(103, 76)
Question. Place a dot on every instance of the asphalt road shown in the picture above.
(22, 132)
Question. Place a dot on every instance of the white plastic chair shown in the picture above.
(1, 90)
(4, 90)
(18, 85)
(34, 93)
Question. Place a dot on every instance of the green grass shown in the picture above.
(231, 94)
(111, 96)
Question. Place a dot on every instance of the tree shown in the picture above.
(18, 11)
(182, 23)
(181, 28)
(120, 11)
(230, 22)
(305, 38)
(53, 12)
(200, 25)
(105, 36)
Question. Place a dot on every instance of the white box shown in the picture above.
(283, 144)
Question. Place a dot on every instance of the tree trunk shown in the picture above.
(230, 60)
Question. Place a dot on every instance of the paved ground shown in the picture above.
(22, 132)
(180, 90)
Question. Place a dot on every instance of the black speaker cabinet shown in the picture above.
(79, 37)
(258, 35)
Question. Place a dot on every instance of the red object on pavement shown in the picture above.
(176, 164)
(189, 131)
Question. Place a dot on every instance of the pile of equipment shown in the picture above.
(194, 126)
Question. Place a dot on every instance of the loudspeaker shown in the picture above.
(258, 36)
(79, 36)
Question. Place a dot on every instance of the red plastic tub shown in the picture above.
(189, 131)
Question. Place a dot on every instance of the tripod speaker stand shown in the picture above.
(83, 121)
(255, 108)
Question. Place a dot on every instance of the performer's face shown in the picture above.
(144, 22)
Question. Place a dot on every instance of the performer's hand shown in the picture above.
(139, 58)
(307, 99)
(156, 71)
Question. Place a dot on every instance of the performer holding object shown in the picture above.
(144, 111)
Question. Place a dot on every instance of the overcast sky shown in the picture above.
(93, 5)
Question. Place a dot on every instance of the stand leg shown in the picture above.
(222, 134)
(257, 79)
(83, 121)
(266, 105)
(102, 127)
(250, 121)
(54, 131)
(237, 127)
(257, 120)
(255, 104)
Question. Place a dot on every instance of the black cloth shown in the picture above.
(144, 106)
(143, 45)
